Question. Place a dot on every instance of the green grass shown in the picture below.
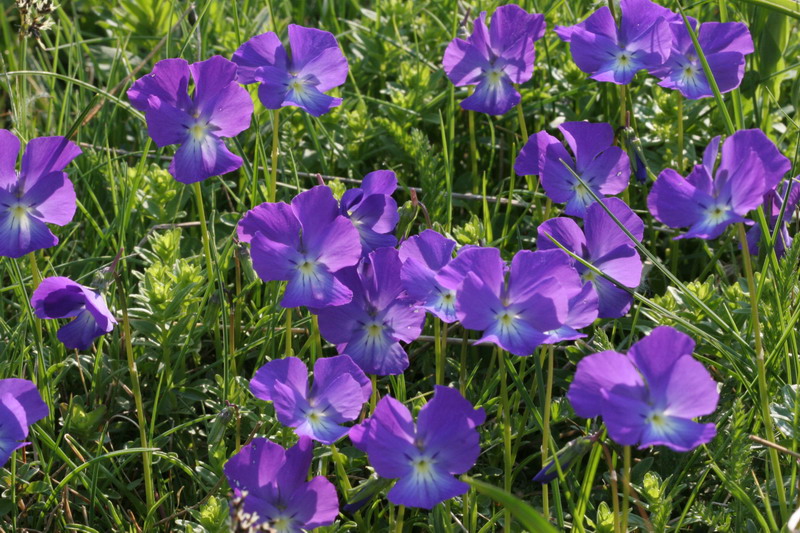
(201, 323)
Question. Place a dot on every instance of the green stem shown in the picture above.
(763, 391)
(548, 397)
(439, 351)
(473, 153)
(288, 352)
(462, 371)
(317, 338)
(373, 399)
(626, 487)
(398, 524)
(507, 460)
(679, 96)
(273, 182)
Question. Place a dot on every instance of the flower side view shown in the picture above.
(708, 201)
(339, 391)
(304, 243)
(369, 328)
(605, 246)
(21, 406)
(604, 168)
(615, 54)
(373, 210)
(219, 108)
(649, 396)
(424, 256)
(272, 482)
(772, 209)
(425, 456)
(60, 297)
(40, 194)
(316, 66)
(494, 59)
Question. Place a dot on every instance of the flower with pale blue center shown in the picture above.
(424, 257)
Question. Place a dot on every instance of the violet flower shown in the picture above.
(605, 169)
(373, 210)
(724, 45)
(59, 297)
(21, 406)
(709, 201)
(649, 396)
(40, 194)
(604, 245)
(369, 328)
(772, 209)
(424, 456)
(317, 65)
(615, 54)
(272, 482)
(304, 243)
(521, 312)
(424, 256)
(219, 108)
(496, 58)
(340, 389)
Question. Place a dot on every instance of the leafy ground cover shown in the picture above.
(143, 421)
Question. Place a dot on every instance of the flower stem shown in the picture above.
(288, 352)
(626, 487)
(438, 347)
(462, 371)
(614, 491)
(316, 351)
(763, 390)
(473, 153)
(679, 96)
(273, 182)
(398, 523)
(548, 397)
(507, 461)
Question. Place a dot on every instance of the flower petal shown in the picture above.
(261, 50)
(198, 160)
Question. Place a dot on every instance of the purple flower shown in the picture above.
(495, 58)
(373, 210)
(649, 396)
(317, 66)
(40, 194)
(424, 256)
(304, 244)
(709, 201)
(340, 389)
(616, 54)
(772, 209)
(21, 406)
(603, 244)
(59, 297)
(273, 483)
(423, 457)
(369, 328)
(219, 108)
(604, 168)
(521, 312)
(723, 43)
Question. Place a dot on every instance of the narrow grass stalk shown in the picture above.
(198, 194)
(398, 523)
(473, 153)
(273, 181)
(462, 370)
(288, 352)
(679, 105)
(548, 397)
(626, 487)
(612, 472)
(438, 346)
(316, 351)
(506, 417)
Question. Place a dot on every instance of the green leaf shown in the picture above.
(530, 519)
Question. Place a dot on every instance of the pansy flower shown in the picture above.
(369, 328)
(773, 201)
(494, 59)
(316, 66)
(708, 201)
(21, 406)
(373, 210)
(304, 243)
(612, 53)
(425, 456)
(605, 246)
(604, 168)
(272, 482)
(59, 297)
(649, 396)
(218, 108)
(340, 389)
(40, 194)
(724, 45)
(424, 256)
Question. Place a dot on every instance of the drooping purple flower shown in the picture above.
(496, 58)
(649, 396)
(317, 65)
(40, 194)
(615, 54)
(21, 406)
(425, 456)
(772, 209)
(369, 328)
(373, 210)
(304, 243)
(709, 201)
(724, 45)
(273, 484)
(604, 168)
(424, 256)
(604, 245)
(520, 312)
(59, 297)
(218, 108)
(340, 389)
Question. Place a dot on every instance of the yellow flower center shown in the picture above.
(374, 330)
(307, 267)
(19, 211)
(198, 131)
